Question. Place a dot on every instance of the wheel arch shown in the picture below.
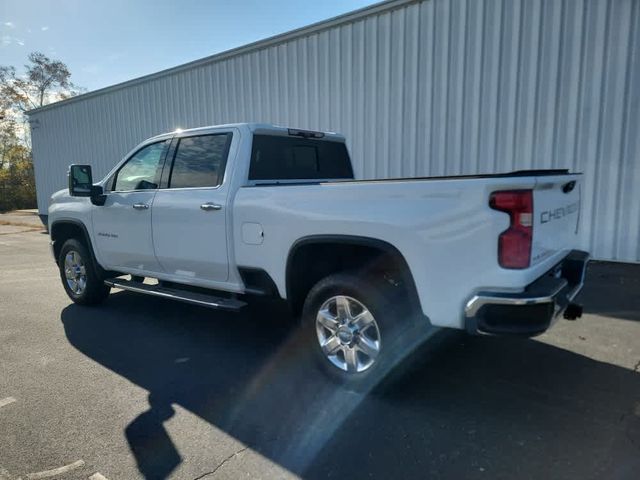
(354, 253)
(64, 229)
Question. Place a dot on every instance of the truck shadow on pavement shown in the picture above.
(613, 290)
(468, 408)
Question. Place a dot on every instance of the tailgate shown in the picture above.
(556, 207)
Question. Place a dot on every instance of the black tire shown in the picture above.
(95, 291)
(393, 320)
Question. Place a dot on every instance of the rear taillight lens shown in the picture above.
(514, 244)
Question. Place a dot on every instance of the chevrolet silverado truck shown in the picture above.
(218, 215)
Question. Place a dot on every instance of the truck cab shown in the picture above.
(164, 210)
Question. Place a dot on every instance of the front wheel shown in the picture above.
(79, 277)
(355, 328)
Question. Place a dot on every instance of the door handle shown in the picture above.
(210, 206)
(140, 206)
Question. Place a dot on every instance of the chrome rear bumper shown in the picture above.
(532, 311)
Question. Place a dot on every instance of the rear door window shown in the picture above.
(276, 157)
(200, 161)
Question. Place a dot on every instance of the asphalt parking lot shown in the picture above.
(146, 388)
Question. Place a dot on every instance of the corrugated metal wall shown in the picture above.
(436, 87)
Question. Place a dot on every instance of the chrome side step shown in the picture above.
(204, 300)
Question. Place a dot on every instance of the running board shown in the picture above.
(204, 300)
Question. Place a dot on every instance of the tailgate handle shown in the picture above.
(569, 186)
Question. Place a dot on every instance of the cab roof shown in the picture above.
(256, 128)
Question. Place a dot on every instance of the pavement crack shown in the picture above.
(234, 454)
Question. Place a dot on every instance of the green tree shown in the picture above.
(17, 184)
(44, 81)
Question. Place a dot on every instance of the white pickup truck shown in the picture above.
(216, 215)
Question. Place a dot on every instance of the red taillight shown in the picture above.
(514, 244)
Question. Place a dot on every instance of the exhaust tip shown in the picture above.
(573, 311)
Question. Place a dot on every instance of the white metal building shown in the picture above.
(431, 87)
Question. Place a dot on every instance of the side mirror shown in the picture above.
(80, 181)
(81, 184)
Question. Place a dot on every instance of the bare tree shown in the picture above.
(45, 81)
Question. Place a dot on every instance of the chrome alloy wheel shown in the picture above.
(348, 334)
(75, 272)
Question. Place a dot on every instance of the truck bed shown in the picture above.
(438, 224)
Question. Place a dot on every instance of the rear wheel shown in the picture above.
(79, 277)
(355, 328)
(348, 334)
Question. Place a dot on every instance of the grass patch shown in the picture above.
(14, 223)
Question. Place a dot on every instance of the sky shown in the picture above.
(104, 42)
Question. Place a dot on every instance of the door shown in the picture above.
(122, 226)
(189, 226)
